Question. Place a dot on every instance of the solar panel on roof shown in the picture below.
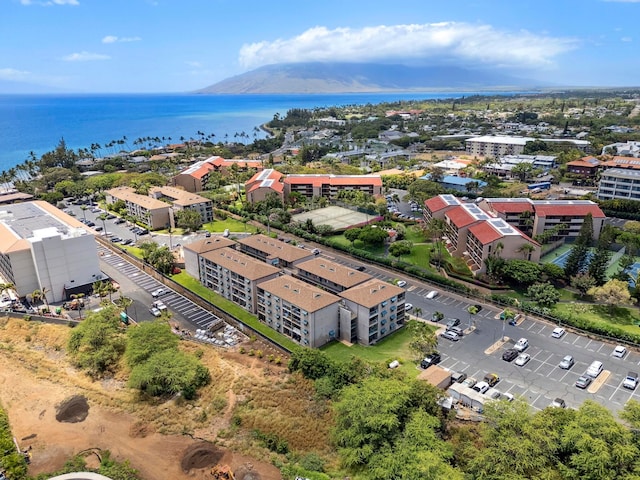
(267, 183)
(264, 174)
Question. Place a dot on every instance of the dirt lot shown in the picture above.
(59, 412)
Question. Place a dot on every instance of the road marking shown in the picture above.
(588, 343)
(598, 382)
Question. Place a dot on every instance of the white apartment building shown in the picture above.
(618, 183)
(499, 145)
(43, 248)
(304, 313)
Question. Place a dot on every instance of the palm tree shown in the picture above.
(526, 250)
(79, 297)
(6, 286)
(124, 302)
(36, 296)
(103, 217)
(84, 211)
(44, 291)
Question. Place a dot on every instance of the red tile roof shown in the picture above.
(569, 210)
(261, 180)
(460, 217)
(590, 162)
(623, 162)
(485, 233)
(318, 180)
(510, 207)
(435, 204)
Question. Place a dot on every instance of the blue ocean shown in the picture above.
(36, 123)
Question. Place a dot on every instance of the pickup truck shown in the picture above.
(159, 304)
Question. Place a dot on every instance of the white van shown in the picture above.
(595, 369)
(432, 294)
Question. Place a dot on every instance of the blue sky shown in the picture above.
(121, 46)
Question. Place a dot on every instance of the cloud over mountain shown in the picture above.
(418, 43)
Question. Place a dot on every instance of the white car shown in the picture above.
(481, 387)
(450, 335)
(521, 345)
(408, 306)
(159, 304)
(557, 332)
(431, 295)
(158, 292)
(619, 351)
(401, 283)
(522, 359)
(155, 312)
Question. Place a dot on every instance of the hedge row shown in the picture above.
(598, 328)
(10, 460)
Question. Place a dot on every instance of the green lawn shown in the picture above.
(234, 226)
(623, 318)
(420, 255)
(394, 347)
(192, 284)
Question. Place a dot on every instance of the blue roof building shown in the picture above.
(459, 184)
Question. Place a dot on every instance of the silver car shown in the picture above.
(567, 362)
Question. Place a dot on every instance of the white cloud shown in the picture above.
(49, 3)
(414, 43)
(85, 57)
(194, 64)
(13, 74)
(114, 39)
(626, 39)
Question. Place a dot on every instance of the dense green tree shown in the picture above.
(148, 339)
(372, 235)
(576, 260)
(423, 339)
(544, 294)
(583, 282)
(97, 344)
(168, 372)
(190, 220)
(523, 171)
(312, 363)
(614, 293)
(522, 272)
(419, 453)
(403, 247)
(600, 261)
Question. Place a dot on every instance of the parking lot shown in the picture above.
(177, 304)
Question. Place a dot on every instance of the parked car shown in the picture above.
(558, 403)
(567, 362)
(432, 294)
(509, 355)
(159, 292)
(116, 239)
(450, 335)
(408, 306)
(521, 345)
(457, 330)
(583, 381)
(361, 268)
(155, 312)
(491, 379)
(111, 216)
(90, 224)
(118, 221)
(98, 229)
(595, 369)
(469, 382)
(619, 351)
(159, 304)
(630, 381)
(452, 322)
(458, 377)
(316, 251)
(557, 332)
(127, 241)
(401, 283)
(522, 359)
(431, 359)
(437, 316)
(481, 387)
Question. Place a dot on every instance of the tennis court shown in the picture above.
(338, 218)
(561, 259)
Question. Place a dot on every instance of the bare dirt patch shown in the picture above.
(60, 412)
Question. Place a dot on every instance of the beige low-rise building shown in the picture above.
(272, 251)
(372, 310)
(329, 275)
(182, 200)
(153, 213)
(193, 250)
(234, 275)
(304, 313)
